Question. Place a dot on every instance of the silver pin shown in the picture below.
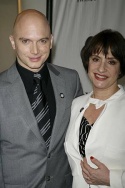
(61, 95)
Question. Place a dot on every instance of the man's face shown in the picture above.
(32, 42)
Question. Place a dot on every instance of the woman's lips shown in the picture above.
(100, 77)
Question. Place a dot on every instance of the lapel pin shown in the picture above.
(61, 95)
(81, 109)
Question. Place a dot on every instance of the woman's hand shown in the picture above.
(98, 176)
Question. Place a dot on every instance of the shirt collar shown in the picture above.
(98, 103)
(27, 75)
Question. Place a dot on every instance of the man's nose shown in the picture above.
(34, 48)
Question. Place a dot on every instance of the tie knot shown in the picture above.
(37, 75)
(37, 78)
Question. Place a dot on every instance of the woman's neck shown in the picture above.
(104, 94)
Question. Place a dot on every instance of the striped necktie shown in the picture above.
(41, 109)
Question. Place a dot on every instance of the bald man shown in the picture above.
(26, 159)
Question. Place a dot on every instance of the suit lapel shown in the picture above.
(60, 97)
(22, 105)
(20, 100)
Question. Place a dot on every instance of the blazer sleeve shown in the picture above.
(117, 178)
(79, 90)
(1, 174)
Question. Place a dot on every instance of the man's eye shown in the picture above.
(25, 41)
(43, 41)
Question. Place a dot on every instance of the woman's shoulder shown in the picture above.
(80, 101)
(81, 98)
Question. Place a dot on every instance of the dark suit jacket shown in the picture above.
(24, 160)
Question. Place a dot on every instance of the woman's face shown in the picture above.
(103, 70)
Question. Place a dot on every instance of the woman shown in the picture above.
(96, 133)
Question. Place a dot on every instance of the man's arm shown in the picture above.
(79, 90)
(1, 172)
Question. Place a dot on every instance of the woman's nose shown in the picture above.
(102, 66)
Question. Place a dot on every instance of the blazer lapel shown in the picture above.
(20, 99)
(60, 97)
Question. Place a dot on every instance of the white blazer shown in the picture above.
(106, 140)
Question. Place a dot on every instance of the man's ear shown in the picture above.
(51, 41)
(11, 38)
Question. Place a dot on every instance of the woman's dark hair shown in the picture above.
(87, 42)
(102, 42)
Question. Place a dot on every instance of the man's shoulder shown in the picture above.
(64, 72)
(3, 75)
(69, 76)
(7, 74)
(61, 69)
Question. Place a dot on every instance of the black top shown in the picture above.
(84, 130)
(27, 78)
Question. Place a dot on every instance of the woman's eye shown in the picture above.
(95, 59)
(112, 62)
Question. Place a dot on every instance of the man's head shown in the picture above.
(31, 39)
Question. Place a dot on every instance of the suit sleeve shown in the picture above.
(1, 173)
(117, 178)
(79, 90)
